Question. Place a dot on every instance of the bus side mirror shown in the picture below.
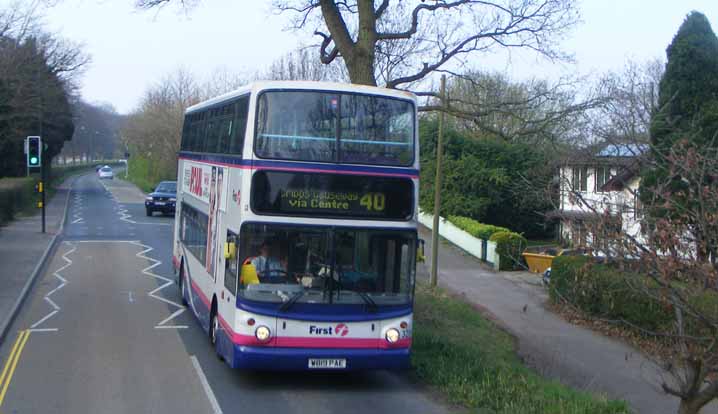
(420, 257)
(230, 250)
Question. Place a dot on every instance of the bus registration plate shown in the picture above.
(324, 363)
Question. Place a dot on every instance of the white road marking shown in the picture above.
(48, 316)
(168, 282)
(130, 297)
(63, 282)
(125, 215)
(205, 384)
(43, 330)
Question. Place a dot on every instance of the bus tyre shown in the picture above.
(182, 284)
(213, 328)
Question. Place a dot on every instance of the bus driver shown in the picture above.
(266, 265)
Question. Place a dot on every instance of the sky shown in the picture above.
(132, 49)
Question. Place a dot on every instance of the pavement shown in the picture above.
(103, 330)
(576, 356)
(22, 248)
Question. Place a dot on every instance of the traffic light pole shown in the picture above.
(42, 192)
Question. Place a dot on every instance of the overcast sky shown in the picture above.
(132, 49)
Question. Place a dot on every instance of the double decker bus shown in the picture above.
(296, 227)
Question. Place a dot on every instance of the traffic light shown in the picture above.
(34, 151)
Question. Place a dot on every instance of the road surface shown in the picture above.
(103, 331)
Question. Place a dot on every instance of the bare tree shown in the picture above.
(443, 31)
(154, 130)
(533, 111)
(38, 73)
(400, 42)
(299, 65)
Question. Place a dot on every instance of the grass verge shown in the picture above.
(473, 363)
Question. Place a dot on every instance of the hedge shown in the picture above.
(15, 195)
(474, 228)
(509, 246)
(604, 291)
(18, 195)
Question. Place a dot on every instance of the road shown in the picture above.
(103, 331)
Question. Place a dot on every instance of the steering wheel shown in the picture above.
(276, 276)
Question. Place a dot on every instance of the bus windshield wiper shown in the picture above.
(370, 304)
(288, 304)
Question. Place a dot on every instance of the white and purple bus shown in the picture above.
(296, 228)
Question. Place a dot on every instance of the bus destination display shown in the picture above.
(332, 195)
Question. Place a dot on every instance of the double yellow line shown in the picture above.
(11, 363)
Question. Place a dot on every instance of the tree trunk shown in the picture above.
(689, 407)
(361, 68)
(358, 56)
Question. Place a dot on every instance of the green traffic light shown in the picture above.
(33, 160)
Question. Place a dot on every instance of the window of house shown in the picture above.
(603, 175)
(580, 179)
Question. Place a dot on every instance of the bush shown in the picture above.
(474, 228)
(146, 174)
(15, 195)
(604, 291)
(509, 246)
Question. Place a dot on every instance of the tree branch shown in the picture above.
(324, 56)
(415, 19)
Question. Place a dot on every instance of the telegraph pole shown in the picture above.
(437, 187)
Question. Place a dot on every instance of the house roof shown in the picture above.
(622, 150)
(621, 154)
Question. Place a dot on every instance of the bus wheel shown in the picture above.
(182, 284)
(213, 328)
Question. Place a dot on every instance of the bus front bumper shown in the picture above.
(297, 359)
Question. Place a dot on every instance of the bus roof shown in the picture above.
(313, 85)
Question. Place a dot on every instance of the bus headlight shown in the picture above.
(262, 333)
(392, 335)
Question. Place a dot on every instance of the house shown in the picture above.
(599, 194)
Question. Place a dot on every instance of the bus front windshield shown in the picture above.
(335, 127)
(322, 265)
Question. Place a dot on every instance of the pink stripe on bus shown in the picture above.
(303, 342)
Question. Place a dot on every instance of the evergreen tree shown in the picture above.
(687, 110)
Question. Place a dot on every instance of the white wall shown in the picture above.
(462, 239)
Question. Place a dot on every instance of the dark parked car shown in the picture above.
(162, 199)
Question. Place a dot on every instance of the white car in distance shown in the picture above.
(105, 172)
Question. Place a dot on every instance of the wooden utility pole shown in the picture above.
(437, 187)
